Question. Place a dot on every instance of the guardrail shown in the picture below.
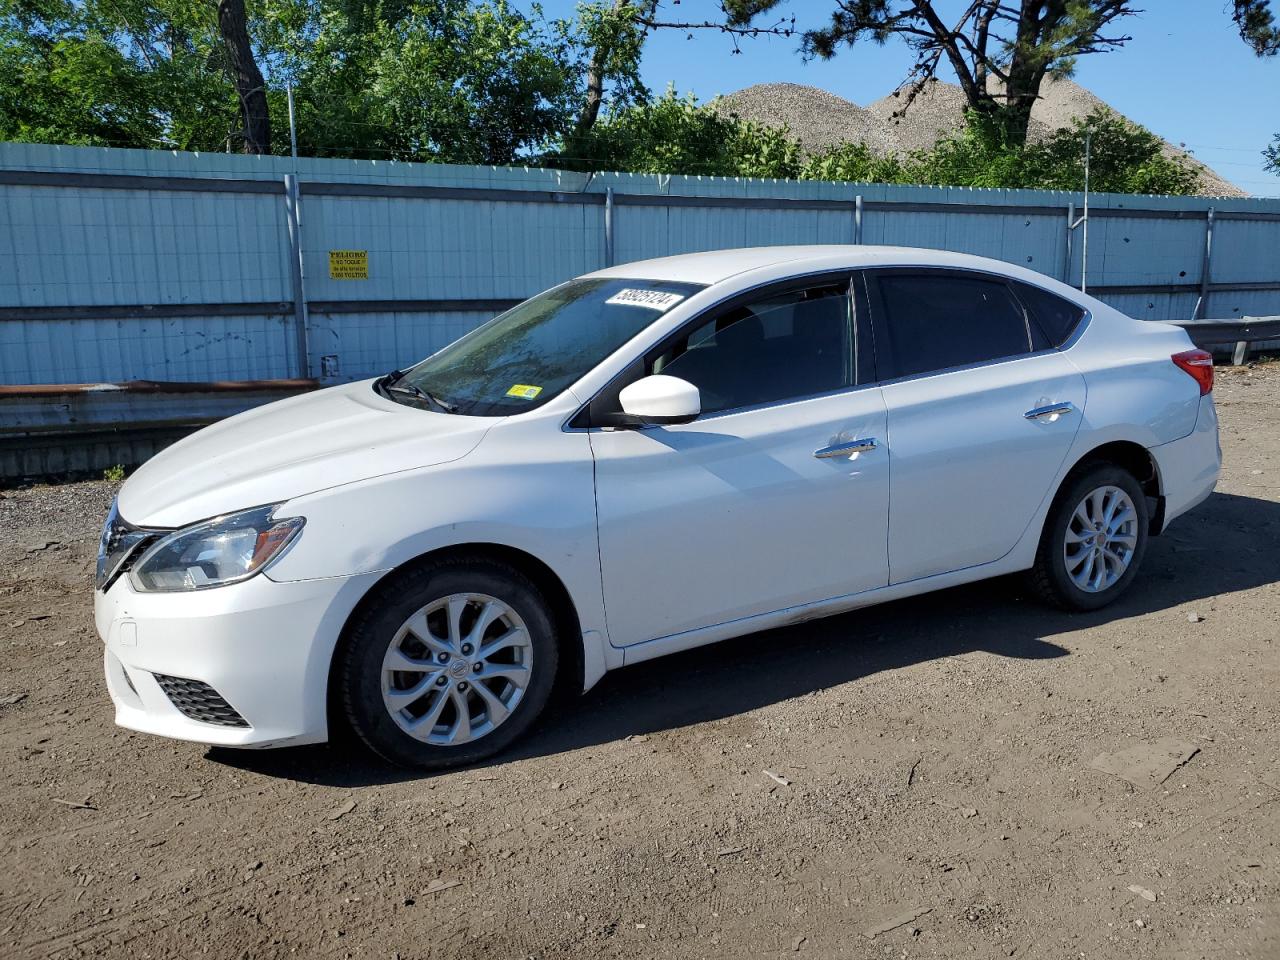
(60, 428)
(1243, 333)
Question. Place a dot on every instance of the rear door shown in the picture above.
(776, 496)
(979, 419)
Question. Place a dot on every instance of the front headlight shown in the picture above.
(214, 553)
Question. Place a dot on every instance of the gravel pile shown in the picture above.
(820, 119)
(1062, 101)
(936, 112)
(816, 118)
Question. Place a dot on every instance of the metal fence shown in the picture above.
(127, 265)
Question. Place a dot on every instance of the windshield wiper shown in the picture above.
(391, 384)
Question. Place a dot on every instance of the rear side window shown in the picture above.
(927, 321)
(1053, 319)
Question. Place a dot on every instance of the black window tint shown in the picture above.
(932, 322)
(1054, 319)
(795, 344)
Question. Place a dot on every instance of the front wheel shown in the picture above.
(1094, 539)
(448, 664)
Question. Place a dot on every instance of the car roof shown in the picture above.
(716, 266)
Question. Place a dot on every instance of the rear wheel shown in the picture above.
(448, 664)
(1093, 541)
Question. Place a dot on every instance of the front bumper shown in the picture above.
(263, 646)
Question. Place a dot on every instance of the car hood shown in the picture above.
(289, 448)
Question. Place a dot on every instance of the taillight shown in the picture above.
(1199, 364)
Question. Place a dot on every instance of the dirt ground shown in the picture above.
(934, 794)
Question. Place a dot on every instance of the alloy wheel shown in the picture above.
(1102, 535)
(456, 669)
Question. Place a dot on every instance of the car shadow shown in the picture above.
(1226, 545)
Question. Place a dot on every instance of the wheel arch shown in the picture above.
(1136, 459)
(571, 676)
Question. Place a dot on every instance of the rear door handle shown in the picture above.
(1052, 410)
(864, 445)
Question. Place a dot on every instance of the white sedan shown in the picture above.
(639, 461)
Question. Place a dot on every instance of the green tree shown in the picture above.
(246, 76)
(1124, 158)
(615, 36)
(1259, 29)
(65, 83)
(471, 83)
(429, 80)
(115, 72)
(673, 134)
(853, 162)
(999, 51)
(1258, 26)
(452, 80)
(677, 135)
(1271, 156)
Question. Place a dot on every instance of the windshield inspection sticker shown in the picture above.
(524, 391)
(653, 299)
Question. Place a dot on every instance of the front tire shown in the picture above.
(448, 663)
(1094, 539)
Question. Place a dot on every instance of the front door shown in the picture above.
(776, 496)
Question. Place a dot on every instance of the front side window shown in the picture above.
(780, 347)
(927, 321)
(531, 353)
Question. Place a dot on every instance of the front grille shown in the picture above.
(199, 701)
(121, 543)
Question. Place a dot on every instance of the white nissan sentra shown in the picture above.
(639, 461)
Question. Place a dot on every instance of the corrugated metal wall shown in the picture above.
(128, 264)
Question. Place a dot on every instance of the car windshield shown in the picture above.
(528, 355)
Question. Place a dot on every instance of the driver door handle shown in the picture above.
(848, 449)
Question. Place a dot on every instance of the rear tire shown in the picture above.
(1094, 539)
(447, 664)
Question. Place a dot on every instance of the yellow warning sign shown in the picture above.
(348, 264)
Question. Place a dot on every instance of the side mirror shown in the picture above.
(660, 399)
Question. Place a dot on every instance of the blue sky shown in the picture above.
(1185, 74)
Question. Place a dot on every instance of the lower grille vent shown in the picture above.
(199, 701)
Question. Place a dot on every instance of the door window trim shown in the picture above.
(595, 413)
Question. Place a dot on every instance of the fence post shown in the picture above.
(296, 279)
(1071, 229)
(857, 219)
(608, 227)
(1203, 303)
